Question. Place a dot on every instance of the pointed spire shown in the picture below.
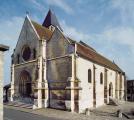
(51, 20)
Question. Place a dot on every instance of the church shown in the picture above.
(49, 69)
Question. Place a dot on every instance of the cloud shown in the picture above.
(125, 8)
(9, 30)
(122, 35)
(38, 5)
(57, 3)
(61, 4)
(9, 33)
(73, 32)
(118, 44)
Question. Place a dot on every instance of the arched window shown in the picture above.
(101, 78)
(34, 53)
(89, 76)
(26, 52)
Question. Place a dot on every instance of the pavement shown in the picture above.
(16, 113)
(127, 108)
(12, 114)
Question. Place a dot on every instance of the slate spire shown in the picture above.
(51, 20)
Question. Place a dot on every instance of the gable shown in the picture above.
(58, 45)
(28, 37)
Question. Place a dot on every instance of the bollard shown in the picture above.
(87, 111)
(119, 113)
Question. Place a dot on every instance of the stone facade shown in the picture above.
(29, 38)
(48, 71)
(2, 49)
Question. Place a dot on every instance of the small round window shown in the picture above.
(26, 53)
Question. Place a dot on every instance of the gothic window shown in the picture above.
(101, 78)
(34, 53)
(89, 76)
(26, 53)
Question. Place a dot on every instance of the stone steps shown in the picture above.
(113, 101)
(116, 102)
(110, 110)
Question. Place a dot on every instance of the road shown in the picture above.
(11, 114)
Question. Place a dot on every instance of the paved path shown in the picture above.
(11, 114)
(15, 113)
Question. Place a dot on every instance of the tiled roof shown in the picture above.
(43, 32)
(92, 55)
(81, 42)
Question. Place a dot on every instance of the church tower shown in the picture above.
(51, 21)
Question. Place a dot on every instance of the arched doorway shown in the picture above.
(25, 87)
(111, 89)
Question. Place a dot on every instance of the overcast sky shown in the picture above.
(106, 25)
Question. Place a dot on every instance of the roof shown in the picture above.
(83, 49)
(81, 42)
(43, 32)
(3, 47)
(92, 55)
(51, 20)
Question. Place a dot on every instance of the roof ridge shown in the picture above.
(86, 45)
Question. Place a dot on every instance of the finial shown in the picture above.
(50, 8)
(27, 13)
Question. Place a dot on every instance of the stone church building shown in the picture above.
(50, 69)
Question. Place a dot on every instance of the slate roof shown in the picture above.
(51, 20)
(43, 32)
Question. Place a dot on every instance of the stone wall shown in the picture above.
(27, 38)
(59, 69)
(32, 69)
(58, 45)
(86, 94)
